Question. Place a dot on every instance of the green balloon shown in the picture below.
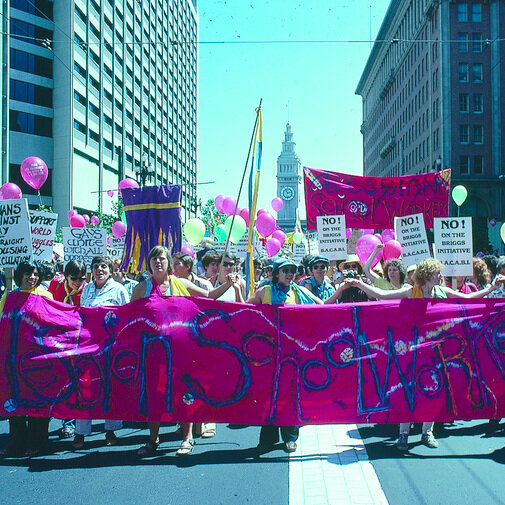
(459, 194)
(194, 230)
(239, 228)
(123, 217)
(298, 237)
(220, 233)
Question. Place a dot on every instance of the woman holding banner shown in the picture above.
(164, 283)
(27, 435)
(104, 290)
(282, 291)
(429, 284)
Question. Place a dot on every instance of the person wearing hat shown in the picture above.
(318, 283)
(267, 272)
(351, 268)
(281, 291)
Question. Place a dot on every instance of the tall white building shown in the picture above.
(102, 90)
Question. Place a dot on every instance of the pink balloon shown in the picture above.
(71, 213)
(109, 241)
(365, 246)
(392, 249)
(265, 224)
(127, 183)
(95, 220)
(277, 204)
(86, 218)
(118, 229)
(10, 191)
(77, 221)
(367, 231)
(348, 232)
(492, 221)
(34, 172)
(272, 247)
(388, 235)
(280, 236)
(187, 249)
(218, 203)
(110, 193)
(229, 204)
(244, 213)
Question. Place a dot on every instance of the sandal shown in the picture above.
(186, 447)
(110, 438)
(209, 433)
(78, 442)
(149, 449)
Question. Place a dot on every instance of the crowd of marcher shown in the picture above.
(315, 281)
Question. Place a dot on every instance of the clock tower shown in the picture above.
(288, 182)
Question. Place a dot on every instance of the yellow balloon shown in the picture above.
(502, 232)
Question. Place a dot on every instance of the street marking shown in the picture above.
(330, 467)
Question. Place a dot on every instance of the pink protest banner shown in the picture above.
(373, 202)
(183, 359)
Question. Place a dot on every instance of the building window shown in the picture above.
(25, 122)
(478, 134)
(478, 165)
(478, 106)
(462, 12)
(477, 42)
(464, 164)
(463, 102)
(476, 13)
(462, 42)
(79, 127)
(477, 72)
(464, 133)
(94, 136)
(463, 71)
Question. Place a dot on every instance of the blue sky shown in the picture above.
(310, 83)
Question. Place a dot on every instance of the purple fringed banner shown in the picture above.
(153, 215)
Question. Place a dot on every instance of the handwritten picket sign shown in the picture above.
(15, 238)
(454, 245)
(43, 229)
(331, 237)
(84, 244)
(115, 248)
(411, 233)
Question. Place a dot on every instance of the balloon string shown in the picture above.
(40, 198)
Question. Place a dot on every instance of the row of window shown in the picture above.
(31, 93)
(31, 63)
(463, 42)
(464, 72)
(477, 103)
(464, 134)
(27, 32)
(25, 122)
(41, 8)
(474, 14)
(466, 165)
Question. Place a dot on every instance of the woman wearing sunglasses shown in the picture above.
(281, 291)
(318, 283)
(67, 288)
(104, 290)
(235, 293)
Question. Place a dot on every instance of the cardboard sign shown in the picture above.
(411, 233)
(331, 237)
(453, 245)
(299, 251)
(311, 243)
(116, 247)
(43, 228)
(84, 244)
(15, 239)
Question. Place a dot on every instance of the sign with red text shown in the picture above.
(43, 229)
(15, 239)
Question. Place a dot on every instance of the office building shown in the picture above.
(102, 90)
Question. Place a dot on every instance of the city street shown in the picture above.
(329, 467)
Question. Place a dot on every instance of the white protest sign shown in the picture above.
(299, 251)
(331, 237)
(15, 239)
(115, 247)
(311, 243)
(453, 244)
(411, 233)
(84, 244)
(43, 228)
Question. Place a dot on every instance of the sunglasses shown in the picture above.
(228, 264)
(103, 266)
(319, 267)
(352, 265)
(291, 270)
(77, 278)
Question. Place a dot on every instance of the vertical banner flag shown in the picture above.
(15, 239)
(373, 202)
(453, 245)
(43, 228)
(153, 216)
(411, 233)
(331, 237)
(84, 244)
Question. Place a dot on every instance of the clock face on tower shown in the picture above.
(287, 193)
